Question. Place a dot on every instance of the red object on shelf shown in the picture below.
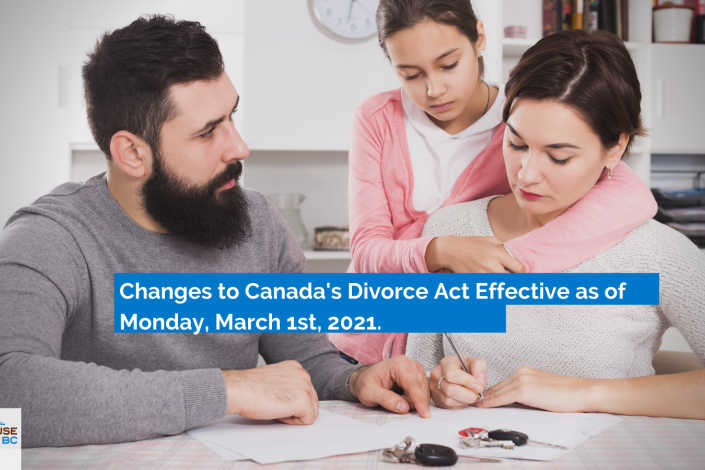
(515, 32)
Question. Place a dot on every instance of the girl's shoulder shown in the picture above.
(468, 219)
(381, 102)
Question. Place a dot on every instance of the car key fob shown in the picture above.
(433, 455)
(518, 438)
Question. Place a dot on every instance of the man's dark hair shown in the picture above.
(128, 75)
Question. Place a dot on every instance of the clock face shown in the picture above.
(345, 20)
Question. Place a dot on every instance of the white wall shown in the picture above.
(321, 176)
(33, 115)
(526, 13)
(302, 86)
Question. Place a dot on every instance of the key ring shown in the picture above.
(439, 382)
(398, 453)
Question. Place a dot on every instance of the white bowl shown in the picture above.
(672, 24)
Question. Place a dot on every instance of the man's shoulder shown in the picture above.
(259, 207)
(65, 201)
(264, 216)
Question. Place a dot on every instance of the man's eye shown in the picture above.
(207, 134)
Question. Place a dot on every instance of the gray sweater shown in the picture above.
(588, 341)
(77, 381)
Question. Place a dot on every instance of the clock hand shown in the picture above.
(359, 3)
(352, 2)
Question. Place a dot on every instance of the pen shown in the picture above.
(449, 336)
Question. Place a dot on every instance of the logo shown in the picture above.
(8, 434)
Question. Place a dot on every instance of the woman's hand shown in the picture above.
(470, 255)
(457, 389)
(541, 389)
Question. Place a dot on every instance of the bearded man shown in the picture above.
(160, 108)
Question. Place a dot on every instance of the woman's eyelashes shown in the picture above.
(557, 161)
(517, 148)
(444, 67)
(520, 148)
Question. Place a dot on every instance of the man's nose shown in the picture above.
(235, 147)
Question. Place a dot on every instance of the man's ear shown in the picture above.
(130, 153)
(614, 154)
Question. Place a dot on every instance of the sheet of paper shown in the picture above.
(238, 438)
(273, 441)
(224, 452)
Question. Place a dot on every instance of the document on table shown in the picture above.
(273, 441)
(238, 438)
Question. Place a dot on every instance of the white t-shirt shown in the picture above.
(438, 158)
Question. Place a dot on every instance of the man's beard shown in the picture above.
(204, 215)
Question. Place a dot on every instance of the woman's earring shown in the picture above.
(482, 53)
(609, 173)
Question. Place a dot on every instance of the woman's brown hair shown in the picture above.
(396, 15)
(591, 72)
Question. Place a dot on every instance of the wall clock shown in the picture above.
(348, 21)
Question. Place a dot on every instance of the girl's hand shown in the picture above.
(541, 389)
(470, 255)
(457, 389)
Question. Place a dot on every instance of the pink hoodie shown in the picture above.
(385, 229)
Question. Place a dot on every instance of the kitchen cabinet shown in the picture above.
(34, 122)
(678, 98)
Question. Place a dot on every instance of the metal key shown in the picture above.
(400, 453)
(519, 438)
(405, 452)
(472, 443)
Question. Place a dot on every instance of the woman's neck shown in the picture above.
(478, 105)
(508, 220)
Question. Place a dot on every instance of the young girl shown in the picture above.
(437, 142)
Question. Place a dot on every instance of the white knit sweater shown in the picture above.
(615, 341)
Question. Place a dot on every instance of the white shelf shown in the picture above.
(515, 47)
(633, 46)
(327, 255)
(84, 146)
(687, 151)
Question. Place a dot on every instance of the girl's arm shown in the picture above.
(600, 220)
(374, 249)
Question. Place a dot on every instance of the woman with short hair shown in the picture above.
(572, 112)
